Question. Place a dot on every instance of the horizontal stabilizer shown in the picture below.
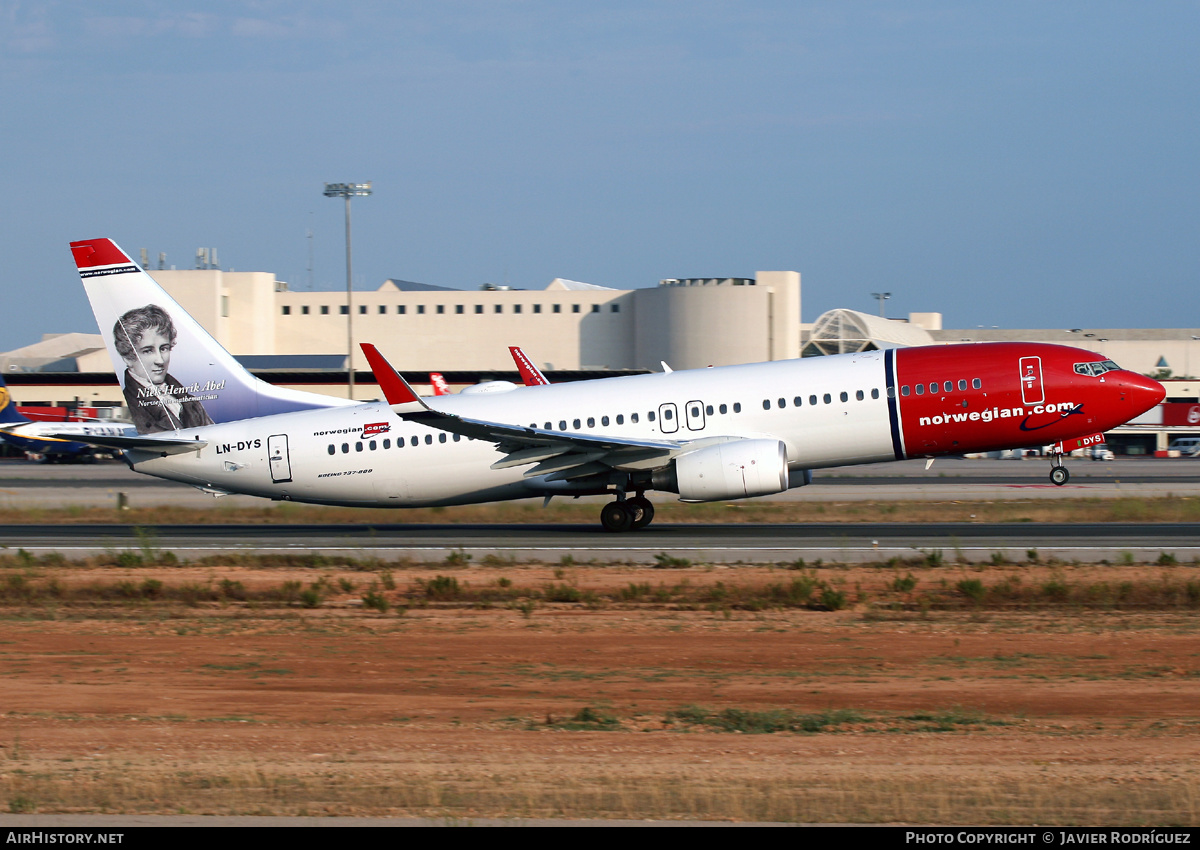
(164, 445)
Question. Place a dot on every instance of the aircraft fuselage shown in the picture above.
(827, 411)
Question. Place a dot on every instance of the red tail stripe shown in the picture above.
(97, 252)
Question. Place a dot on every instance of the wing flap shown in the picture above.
(593, 468)
(564, 461)
(521, 457)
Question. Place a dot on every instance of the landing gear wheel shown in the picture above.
(1059, 475)
(615, 516)
(644, 509)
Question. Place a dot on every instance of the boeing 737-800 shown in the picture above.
(707, 434)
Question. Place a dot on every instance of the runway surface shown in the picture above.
(24, 485)
(31, 485)
(747, 543)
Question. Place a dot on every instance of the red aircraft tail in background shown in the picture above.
(531, 375)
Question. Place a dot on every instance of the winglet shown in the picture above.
(395, 389)
(438, 382)
(531, 375)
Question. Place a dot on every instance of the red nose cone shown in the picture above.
(1142, 393)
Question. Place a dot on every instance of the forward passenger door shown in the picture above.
(1032, 391)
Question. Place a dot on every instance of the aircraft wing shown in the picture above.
(166, 445)
(553, 453)
(556, 454)
(33, 431)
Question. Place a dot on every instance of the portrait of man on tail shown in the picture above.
(144, 337)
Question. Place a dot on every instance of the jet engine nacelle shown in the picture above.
(732, 470)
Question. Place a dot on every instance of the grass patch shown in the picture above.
(762, 722)
(587, 719)
(1017, 510)
(881, 591)
(136, 785)
(770, 721)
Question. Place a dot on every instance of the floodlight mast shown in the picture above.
(348, 191)
(882, 296)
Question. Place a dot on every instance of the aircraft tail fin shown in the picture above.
(531, 375)
(9, 414)
(173, 373)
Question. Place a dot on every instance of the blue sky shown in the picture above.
(1016, 164)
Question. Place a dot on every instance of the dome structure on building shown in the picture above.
(845, 331)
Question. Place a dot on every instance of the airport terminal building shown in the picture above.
(568, 326)
(569, 329)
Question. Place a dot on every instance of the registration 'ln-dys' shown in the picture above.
(705, 434)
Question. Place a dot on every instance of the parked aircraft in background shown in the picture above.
(531, 375)
(705, 434)
(32, 437)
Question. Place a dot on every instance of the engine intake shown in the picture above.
(733, 470)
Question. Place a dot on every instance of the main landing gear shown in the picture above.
(627, 514)
(1059, 474)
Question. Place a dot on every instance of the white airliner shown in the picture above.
(705, 434)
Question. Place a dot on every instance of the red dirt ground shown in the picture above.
(151, 707)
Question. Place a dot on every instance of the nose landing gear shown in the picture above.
(1059, 474)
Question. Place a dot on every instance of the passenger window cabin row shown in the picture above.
(709, 410)
(607, 421)
(826, 398)
(620, 418)
(386, 443)
(944, 387)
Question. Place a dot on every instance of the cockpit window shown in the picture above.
(1096, 369)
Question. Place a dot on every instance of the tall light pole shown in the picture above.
(348, 191)
(882, 296)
